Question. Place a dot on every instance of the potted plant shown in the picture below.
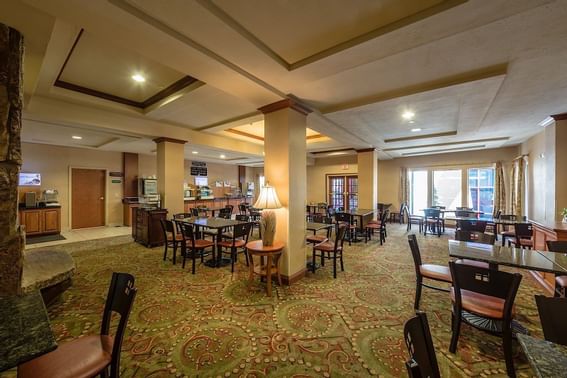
(564, 213)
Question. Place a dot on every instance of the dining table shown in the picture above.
(547, 359)
(218, 224)
(363, 217)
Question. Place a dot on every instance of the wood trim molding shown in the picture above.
(286, 103)
(288, 280)
(329, 151)
(315, 136)
(170, 140)
(168, 91)
(425, 136)
(366, 150)
(559, 117)
(244, 134)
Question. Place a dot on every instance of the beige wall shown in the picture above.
(317, 174)
(53, 162)
(536, 200)
(389, 170)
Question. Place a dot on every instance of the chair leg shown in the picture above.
(418, 288)
(456, 325)
(165, 251)
(507, 346)
(335, 264)
(174, 252)
(342, 265)
(233, 258)
(313, 261)
(193, 252)
(184, 252)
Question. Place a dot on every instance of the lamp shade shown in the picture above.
(268, 198)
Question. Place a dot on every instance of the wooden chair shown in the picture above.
(240, 234)
(193, 246)
(242, 208)
(398, 216)
(332, 250)
(507, 233)
(441, 215)
(88, 356)
(422, 362)
(432, 272)
(346, 219)
(476, 237)
(472, 226)
(560, 281)
(180, 216)
(413, 219)
(484, 299)
(225, 213)
(552, 315)
(194, 212)
(524, 236)
(319, 238)
(432, 221)
(171, 238)
(491, 227)
(370, 228)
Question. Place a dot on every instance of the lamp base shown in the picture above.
(268, 227)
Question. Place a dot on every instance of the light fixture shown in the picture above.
(408, 115)
(77, 137)
(411, 121)
(138, 78)
(195, 152)
(222, 156)
(546, 122)
(415, 130)
(268, 200)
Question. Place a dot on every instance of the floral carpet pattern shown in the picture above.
(212, 325)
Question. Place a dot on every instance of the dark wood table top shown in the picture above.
(24, 330)
(257, 246)
(212, 222)
(508, 256)
(360, 212)
(488, 219)
(314, 226)
(547, 359)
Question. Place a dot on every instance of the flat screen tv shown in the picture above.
(201, 181)
(29, 179)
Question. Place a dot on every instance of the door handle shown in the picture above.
(101, 198)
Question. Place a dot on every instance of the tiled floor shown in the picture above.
(84, 234)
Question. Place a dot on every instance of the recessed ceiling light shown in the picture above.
(138, 78)
(195, 152)
(415, 130)
(412, 121)
(408, 115)
(222, 156)
(77, 137)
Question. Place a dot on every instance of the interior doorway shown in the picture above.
(88, 200)
(342, 191)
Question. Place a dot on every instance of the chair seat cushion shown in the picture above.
(238, 243)
(316, 238)
(561, 281)
(82, 357)
(478, 264)
(201, 243)
(436, 272)
(373, 226)
(178, 237)
(327, 246)
(527, 242)
(481, 304)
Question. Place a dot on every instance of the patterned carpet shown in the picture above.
(211, 325)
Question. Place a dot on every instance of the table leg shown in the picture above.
(251, 270)
(269, 275)
(278, 269)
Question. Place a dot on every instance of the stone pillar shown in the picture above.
(285, 168)
(367, 178)
(11, 101)
(171, 173)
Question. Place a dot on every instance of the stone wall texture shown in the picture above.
(11, 101)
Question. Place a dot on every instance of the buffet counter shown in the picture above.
(215, 202)
(544, 231)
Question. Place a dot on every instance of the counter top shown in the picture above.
(547, 359)
(555, 226)
(38, 207)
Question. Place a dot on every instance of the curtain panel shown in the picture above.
(404, 192)
(517, 186)
(499, 189)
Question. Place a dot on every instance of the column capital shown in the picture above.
(559, 117)
(170, 140)
(366, 150)
(285, 103)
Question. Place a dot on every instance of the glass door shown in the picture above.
(418, 191)
(352, 192)
(342, 192)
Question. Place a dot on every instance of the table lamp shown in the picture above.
(268, 200)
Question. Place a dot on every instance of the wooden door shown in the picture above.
(352, 192)
(88, 187)
(51, 221)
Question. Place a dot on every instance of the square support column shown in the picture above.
(170, 173)
(285, 167)
(367, 178)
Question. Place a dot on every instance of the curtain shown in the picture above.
(499, 189)
(404, 193)
(517, 186)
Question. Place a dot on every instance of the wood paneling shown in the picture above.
(40, 221)
(543, 233)
(130, 170)
(51, 220)
(31, 219)
(88, 188)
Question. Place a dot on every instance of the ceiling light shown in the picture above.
(415, 130)
(77, 137)
(138, 78)
(195, 152)
(222, 156)
(408, 115)
(546, 122)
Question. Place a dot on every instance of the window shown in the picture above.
(481, 189)
(447, 188)
(418, 191)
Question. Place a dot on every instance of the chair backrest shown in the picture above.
(472, 225)
(510, 217)
(423, 362)
(187, 233)
(340, 235)
(119, 299)
(194, 211)
(330, 212)
(432, 213)
(242, 217)
(557, 246)
(495, 283)
(182, 215)
(231, 207)
(225, 213)
(384, 218)
(241, 231)
(318, 218)
(242, 208)
(523, 230)
(465, 213)
(412, 240)
(473, 236)
(342, 217)
(552, 315)
(167, 227)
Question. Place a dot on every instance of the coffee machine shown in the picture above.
(50, 198)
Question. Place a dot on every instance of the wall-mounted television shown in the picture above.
(201, 181)
(29, 179)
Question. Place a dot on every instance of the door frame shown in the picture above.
(70, 184)
(345, 175)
